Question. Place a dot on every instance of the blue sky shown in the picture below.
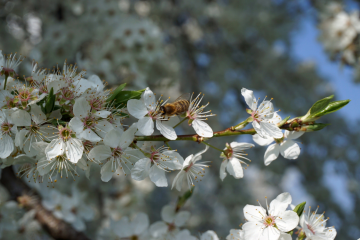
(306, 47)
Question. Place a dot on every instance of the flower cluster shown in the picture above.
(339, 33)
(274, 222)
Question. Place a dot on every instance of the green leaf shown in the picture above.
(124, 96)
(283, 121)
(50, 102)
(332, 107)
(299, 209)
(314, 127)
(116, 92)
(182, 199)
(320, 105)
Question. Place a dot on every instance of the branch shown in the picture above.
(28, 198)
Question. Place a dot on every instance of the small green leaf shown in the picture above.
(124, 96)
(332, 107)
(50, 102)
(313, 127)
(320, 105)
(116, 92)
(56, 122)
(182, 199)
(283, 121)
(299, 209)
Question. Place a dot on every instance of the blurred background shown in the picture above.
(277, 48)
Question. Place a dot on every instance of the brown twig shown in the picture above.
(29, 199)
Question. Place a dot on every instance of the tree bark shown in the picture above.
(30, 199)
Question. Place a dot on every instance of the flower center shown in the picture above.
(6, 128)
(7, 71)
(65, 133)
(87, 146)
(24, 96)
(154, 156)
(269, 221)
(310, 228)
(189, 167)
(255, 116)
(117, 152)
(96, 104)
(67, 94)
(89, 122)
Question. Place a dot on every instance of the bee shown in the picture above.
(179, 106)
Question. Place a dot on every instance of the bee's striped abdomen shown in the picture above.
(181, 106)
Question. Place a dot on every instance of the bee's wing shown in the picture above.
(185, 96)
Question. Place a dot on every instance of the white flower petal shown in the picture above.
(250, 99)
(254, 213)
(270, 233)
(112, 139)
(330, 233)
(202, 128)
(292, 134)
(209, 235)
(43, 166)
(6, 146)
(76, 125)
(102, 114)
(290, 149)
(285, 198)
(74, 150)
(181, 218)
(149, 99)
(252, 230)
(37, 115)
(157, 176)
(287, 221)
(240, 146)
(272, 153)
(97, 81)
(141, 169)
(146, 126)
(158, 229)
(100, 153)
(234, 168)
(55, 148)
(140, 223)
(277, 207)
(166, 130)
(137, 108)
(122, 228)
(127, 137)
(81, 108)
(262, 141)
(222, 169)
(106, 171)
(90, 135)
(178, 181)
(21, 118)
(168, 213)
(271, 130)
(56, 85)
(285, 236)
(103, 127)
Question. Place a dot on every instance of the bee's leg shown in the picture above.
(168, 118)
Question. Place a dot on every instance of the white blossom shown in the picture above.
(314, 226)
(196, 116)
(147, 111)
(160, 160)
(89, 125)
(236, 234)
(271, 222)
(209, 235)
(286, 146)
(261, 115)
(233, 155)
(191, 168)
(116, 153)
(8, 129)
